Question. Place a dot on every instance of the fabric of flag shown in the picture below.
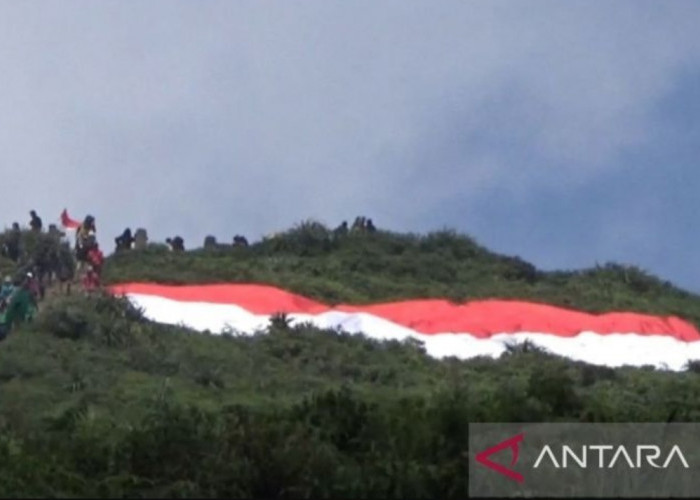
(67, 222)
(475, 328)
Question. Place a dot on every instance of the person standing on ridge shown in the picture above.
(89, 222)
(369, 226)
(177, 244)
(210, 242)
(55, 233)
(35, 223)
(65, 270)
(342, 229)
(11, 248)
(240, 241)
(125, 241)
(85, 231)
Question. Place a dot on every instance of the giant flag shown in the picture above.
(475, 328)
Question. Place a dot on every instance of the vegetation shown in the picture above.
(95, 400)
(384, 266)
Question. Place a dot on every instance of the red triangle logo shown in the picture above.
(514, 444)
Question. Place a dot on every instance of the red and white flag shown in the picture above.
(67, 222)
(476, 328)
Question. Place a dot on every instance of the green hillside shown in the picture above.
(385, 266)
(95, 400)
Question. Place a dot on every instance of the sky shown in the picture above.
(563, 132)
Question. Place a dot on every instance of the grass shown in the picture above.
(95, 400)
(385, 266)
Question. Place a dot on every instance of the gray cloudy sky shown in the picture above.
(564, 132)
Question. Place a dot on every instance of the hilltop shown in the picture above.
(97, 400)
(384, 266)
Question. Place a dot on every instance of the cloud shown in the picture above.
(227, 117)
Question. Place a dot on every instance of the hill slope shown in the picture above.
(96, 400)
(384, 266)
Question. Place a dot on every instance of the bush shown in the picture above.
(102, 318)
(310, 238)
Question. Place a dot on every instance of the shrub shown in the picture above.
(102, 318)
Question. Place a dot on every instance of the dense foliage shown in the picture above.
(95, 400)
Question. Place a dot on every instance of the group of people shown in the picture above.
(361, 224)
(126, 241)
(49, 257)
(20, 297)
(87, 253)
(139, 240)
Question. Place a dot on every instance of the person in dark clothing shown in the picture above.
(369, 226)
(342, 229)
(38, 285)
(177, 244)
(32, 285)
(125, 241)
(81, 252)
(11, 248)
(65, 268)
(35, 223)
(240, 241)
(55, 233)
(210, 242)
(89, 224)
(42, 264)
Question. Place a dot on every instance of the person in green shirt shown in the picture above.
(23, 302)
(20, 308)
